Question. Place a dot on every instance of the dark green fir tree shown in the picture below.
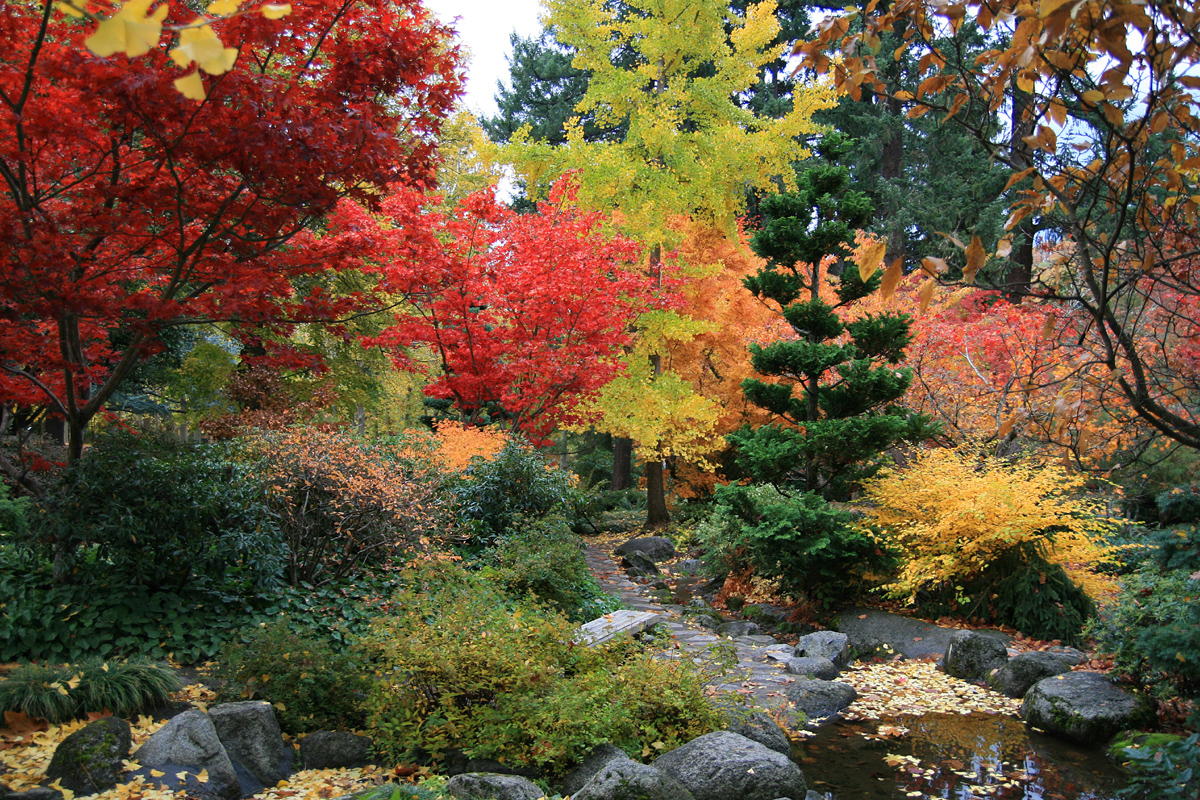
(835, 396)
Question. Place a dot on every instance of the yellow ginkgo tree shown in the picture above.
(689, 149)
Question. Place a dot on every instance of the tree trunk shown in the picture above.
(656, 496)
(1018, 275)
(622, 469)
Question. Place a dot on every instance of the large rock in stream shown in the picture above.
(726, 766)
(1082, 707)
(89, 760)
(973, 655)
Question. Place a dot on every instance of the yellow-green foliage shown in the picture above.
(464, 666)
(954, 514)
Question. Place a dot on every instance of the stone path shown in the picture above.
(752, 673)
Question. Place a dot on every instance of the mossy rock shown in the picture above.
(89, 760)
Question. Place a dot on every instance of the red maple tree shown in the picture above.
(126, 208)
(526, 313)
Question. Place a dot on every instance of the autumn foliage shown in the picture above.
(343, 503)
(970, 527)
(524, 313)
(127, 208)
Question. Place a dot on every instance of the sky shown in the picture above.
(484, 27)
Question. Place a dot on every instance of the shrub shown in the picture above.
(542, 559)
(986, 532)
(312, 684)
(1153, 629)
(44, 621)
(1180, 504)
(62, 693)
(1169, 771)
(491, 494)
(465, 666)
(160, 513)
(343, 504)
(807, 545)
(14, 513)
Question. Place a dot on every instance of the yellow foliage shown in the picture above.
(953, 513)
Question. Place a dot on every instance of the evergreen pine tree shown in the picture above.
(842, 416)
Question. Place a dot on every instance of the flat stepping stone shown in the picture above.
(618, 623)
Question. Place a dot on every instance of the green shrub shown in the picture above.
(45, 621)
(312, 684)
(160, 513)
(14, 512)
(543, 559)
(491, 494)
(465, 666)
(1153, 630)
(62, 693)
(808, 545)
(1179, 504)
(1168, 771)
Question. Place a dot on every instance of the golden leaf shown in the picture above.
(276, 11)
(975, 259)
(891, 279)
(871, 258)
(129, 31)
(191, 86)
(1093, 96)
(203, 46)
(223, 8)
(155, 773)
(1004, 247)
(69, 10)
(933, 265)
(927, 293)
(1048, 328)
(203, 776)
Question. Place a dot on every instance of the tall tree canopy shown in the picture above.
(1102, 94)
(127, 208)
(689, 148)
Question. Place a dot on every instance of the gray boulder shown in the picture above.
(1024, 670)
(821, 668)
(656, 548)
(817, 698)
(1070, 654)
(638, 565)
(779, 652)
(972, 655)
(1082, 707)
(492, 786)
(814, 795)
(251, 736)
(334, 750)
(688, 566)
(759, 727)
(826, 644)
(724, 765)
(89, 760)
(629, 780)
(738, 628)
(601, 757)
(36, 793)
(189, 744)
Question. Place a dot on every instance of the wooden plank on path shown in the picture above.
(618, 623)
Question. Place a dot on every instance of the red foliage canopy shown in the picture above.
(127, 208)
(524, 311)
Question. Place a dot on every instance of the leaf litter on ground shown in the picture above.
(26, 748)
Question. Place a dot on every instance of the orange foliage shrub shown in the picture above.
(458, 444)
(344, 504)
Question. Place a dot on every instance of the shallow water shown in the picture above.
(952, 756)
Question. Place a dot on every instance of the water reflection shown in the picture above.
(965, 757)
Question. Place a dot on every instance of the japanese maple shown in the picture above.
(127, 208)
(526, 313)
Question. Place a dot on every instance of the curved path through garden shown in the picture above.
(751, 672)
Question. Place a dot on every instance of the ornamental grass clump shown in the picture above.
(60, 693)
(1008, 541)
